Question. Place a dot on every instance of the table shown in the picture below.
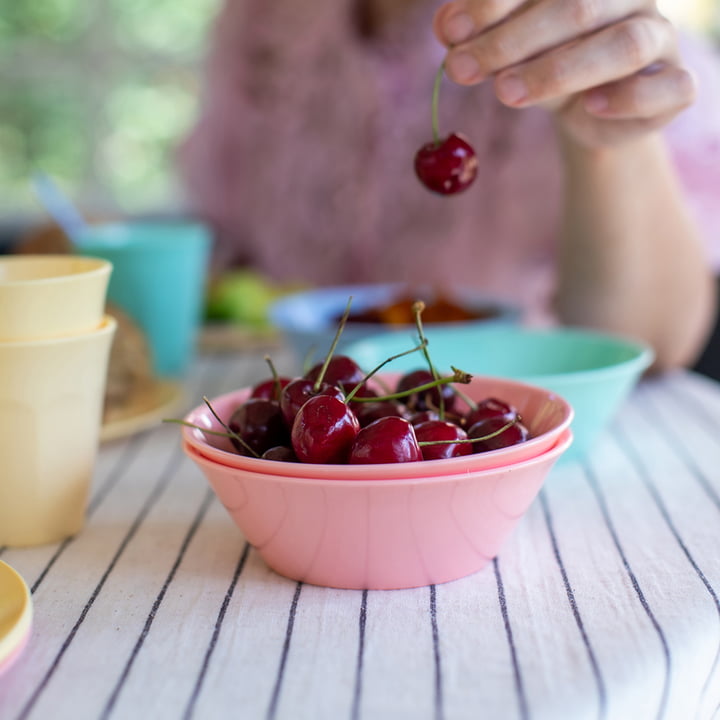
(603, 603)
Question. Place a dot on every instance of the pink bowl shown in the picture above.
(546, 414)
(380, 535)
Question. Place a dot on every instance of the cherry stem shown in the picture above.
(276, 378)
(228, 429)
(459, 376)
(435, 101)
(489, 436)
(328, 357)
(464, 396)
(417, 309)
(355, 390)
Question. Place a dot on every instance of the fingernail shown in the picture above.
(596, 101)
(458, 28)
(511, 89)
(462, 66)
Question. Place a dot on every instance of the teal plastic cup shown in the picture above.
(159, 279)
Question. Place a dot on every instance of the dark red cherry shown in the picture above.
(323, 430)
(296, 393)
(280, 453)
(270, 389)
(490, 407)
(368, 412)
(341, 371)
(512, 435)
(260, 423)
(428, 399)
(387, 440)
(434, 430)
(448, 166)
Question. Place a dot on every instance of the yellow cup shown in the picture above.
(51, 296)
(51, 402)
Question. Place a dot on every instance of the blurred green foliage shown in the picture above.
(97, 93)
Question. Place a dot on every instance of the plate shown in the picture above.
(15, 616)
(157, 401)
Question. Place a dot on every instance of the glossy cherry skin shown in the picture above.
(387, 440)
(296, 393)
(514, 434)
(368, 412)
(490, 407)
(429, 399)
(434, 430)
(323, 430)
(341, 371)
(447, 167)
(270, 389)
(260, 423)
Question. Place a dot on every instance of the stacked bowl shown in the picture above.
(54, 351)
(388, 525)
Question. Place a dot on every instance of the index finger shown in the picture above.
(459, 21)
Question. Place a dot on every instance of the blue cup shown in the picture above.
(159, 279)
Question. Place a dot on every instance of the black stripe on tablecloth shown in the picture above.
(204, 505)
(190, 708)
(272, 707)
(519, 687)
(679, 448)
(155, 494)
(602, 692)
(357, 691)
(632, 453)
(122, 464)
(439, 713)
(600, 498)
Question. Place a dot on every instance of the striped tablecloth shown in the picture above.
(603, 604)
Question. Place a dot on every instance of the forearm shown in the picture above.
(630, 259)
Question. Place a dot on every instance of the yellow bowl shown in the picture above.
(51, 401)
(50, 296)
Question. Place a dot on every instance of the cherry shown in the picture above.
(511, 435)
(371, 411)
(387, 440)
(260, 424)
(270, 389)
(432, 431)
(429, 399)
(488, 408)
(297, 392)
(323, 430)
(446, 166)
(280, 453)
(340, 370)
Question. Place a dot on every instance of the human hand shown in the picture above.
(609, 70)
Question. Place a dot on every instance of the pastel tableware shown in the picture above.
(48, 296)
(546, 414)
(379, 534)
(159, 278)
(593, 371)
(16, 613)
(308, 319)
(51, 401)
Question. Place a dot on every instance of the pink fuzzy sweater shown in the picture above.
(301, 157)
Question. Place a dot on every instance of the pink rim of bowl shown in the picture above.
(547, 414)
(385, 535)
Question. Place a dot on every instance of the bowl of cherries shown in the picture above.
(375, 480)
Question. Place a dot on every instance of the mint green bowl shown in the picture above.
(594, 372)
